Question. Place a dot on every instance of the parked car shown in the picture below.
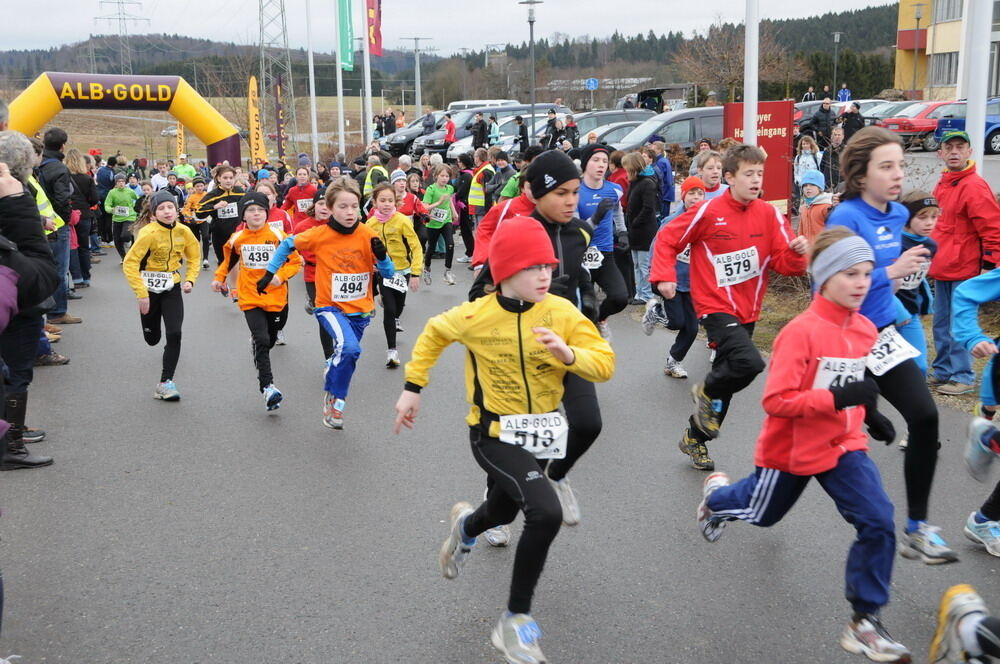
(953, 118)
(400, 141)
(886, 109)
(587, 122)
(463, 124)
(508, 133)
(684, 127)
(613, 133)
(169, 131)
(462, 104)
(915, 123)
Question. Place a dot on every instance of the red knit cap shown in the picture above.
(692, 182)
(519, 242)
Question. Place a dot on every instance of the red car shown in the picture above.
(916, 123)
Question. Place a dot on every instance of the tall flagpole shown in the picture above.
(750, 72)
(312, 86)
(341, 147)
(366, 120)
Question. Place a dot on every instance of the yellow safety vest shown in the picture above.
(477, 193)
(45, 208)
(368, 178)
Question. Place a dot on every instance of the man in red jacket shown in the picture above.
(735, 238)
(967, 234)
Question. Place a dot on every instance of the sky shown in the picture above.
(446, 22)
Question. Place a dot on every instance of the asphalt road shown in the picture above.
(208, 531)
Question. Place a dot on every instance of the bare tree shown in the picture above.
(716, 58)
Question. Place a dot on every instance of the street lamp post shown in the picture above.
(918, 12)
(836, 43)
(531, 48)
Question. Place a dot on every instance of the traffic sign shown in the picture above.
(590, 84)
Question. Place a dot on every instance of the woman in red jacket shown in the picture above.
(816, 398)
(300, 195)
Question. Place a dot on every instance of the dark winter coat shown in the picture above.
(641, 212)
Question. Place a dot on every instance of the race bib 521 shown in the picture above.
(890, 350)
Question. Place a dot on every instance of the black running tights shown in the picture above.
(121, 235)
(611, 281)
(393, 302)
(448, 231)
(518, 484)
(264, 326)
(167, 307)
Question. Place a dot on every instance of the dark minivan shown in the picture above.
(463, 124)
(684, 127)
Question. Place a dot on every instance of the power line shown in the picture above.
(122, 16)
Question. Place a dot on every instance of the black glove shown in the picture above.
(859, 393)
(879, 426)
(588, 305)
(621, 240)
(379, 249)
(264, 282)
(602, 209)
(560, 285)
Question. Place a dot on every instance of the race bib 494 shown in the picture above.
(346, 287)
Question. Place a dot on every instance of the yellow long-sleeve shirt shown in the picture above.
(507, 371)
(160, 248)
(401, 242)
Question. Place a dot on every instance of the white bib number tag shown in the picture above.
(838, 371)
(685, 256)
(439, 214)
(890, 350)
(736, 266)
(158, 282)
(122, 210)
(277, 225)
(543, 434)
(346, 287)
(592, 258)
(396, 282)
(256, 256)
(228, 212)
(303, 204)
(914, 280)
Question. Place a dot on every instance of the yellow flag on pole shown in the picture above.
(258, 154)
(181, 149)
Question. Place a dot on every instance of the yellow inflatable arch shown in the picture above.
(54, 91)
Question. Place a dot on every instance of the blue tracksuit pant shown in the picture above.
(346, 332)
(856, 487)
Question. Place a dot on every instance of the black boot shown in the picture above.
(16, 456)
(16, 413)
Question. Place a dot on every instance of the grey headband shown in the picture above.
(839, 256)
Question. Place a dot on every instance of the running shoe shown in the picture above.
(926, 544)
(986, 533)
(204, 264)
(392, 359)
(866, 635)
(167, 391)
(567, 500)
(498, 537)
(455, 549)
(978, 456)
(698, 452)
(30, 435)
(310, 307)
(516, 638)
(333, 412)
(985, 412)
(449, 277)
(957, 603)
(904, 442)
(463, 259)
(280, 338)
(52, 359)
(711, 527)
(272, 397)
(9, 659)
(706, 411)
(399, 326)
(674, 369)
(604, 329)
(649, 318)
(427, 277)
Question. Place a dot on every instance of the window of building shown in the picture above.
(944, 68)
(947, 10)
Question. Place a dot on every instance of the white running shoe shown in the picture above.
(427, 277)
(516, 638)
(280, 338)
(870, 638)
(449, 277)
(272, 397)
(567, 500)
(957, 603)
(455, 549)
(399, 326)
(926, 544)
(604, 329)
(498, 537)
(674, 369)
(167, 391)
(649, 318)
(979, 457)
(711, 528)
(333, 411)
(204, 264)
(392, 359)
(463, 259)
(986, 534)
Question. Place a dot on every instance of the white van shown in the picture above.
(476, 103)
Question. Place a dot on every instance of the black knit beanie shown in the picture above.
(589, 150)
(549, 170)
(253, 198)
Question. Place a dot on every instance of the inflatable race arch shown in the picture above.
(54, 91)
